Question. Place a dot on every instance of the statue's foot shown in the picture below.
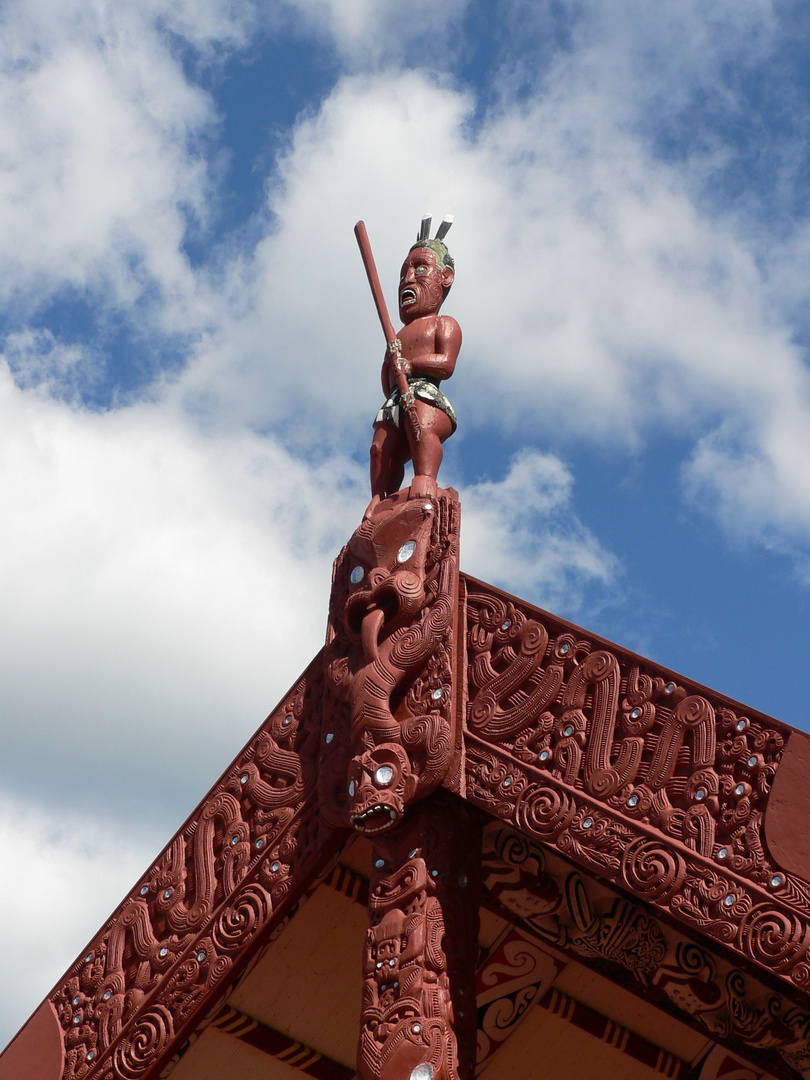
(423, 487)
(372, 506)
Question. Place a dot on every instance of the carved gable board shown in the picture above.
(636, 826)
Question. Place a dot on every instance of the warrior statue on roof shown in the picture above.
(416, 416)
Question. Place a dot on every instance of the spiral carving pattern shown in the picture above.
(237, 924)
(652, 870)
(533, 639)
(412, 646)
(151, 1034)
(775, 938)
(634, 774)
(545, 811)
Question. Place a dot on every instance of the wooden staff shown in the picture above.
(412, 429)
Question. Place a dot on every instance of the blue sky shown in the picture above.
(189, 365)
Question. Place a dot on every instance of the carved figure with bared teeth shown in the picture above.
(388, 721)
(416, 416)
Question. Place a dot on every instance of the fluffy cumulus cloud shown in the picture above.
(373, 32)
(598, 281)
(99, 166)
(166, 551)
(163, 586)
(523, 533)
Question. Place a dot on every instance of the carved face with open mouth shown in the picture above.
(423, 285)
(387, 738)
(380, 782)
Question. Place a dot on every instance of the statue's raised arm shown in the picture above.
(416, 416)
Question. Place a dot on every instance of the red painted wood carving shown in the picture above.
(634, 775)
(625, 941)
(418, 1019)
(390, 729)
(212, 899)
(653, 788)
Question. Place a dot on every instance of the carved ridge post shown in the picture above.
(418, 1017)
(390, 741)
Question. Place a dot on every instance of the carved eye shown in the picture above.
(422, 1071)
(357, 575)
(421, 269)
(406, 551)
(384, 775)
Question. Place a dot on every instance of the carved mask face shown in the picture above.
(386, 960)
(380, 783)
(388, 728)
(423, 285)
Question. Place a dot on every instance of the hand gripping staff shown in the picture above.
(412, 428)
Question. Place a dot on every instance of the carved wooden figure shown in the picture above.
(390, 715)
(418, 1018)
(390, 735)
(416, 416)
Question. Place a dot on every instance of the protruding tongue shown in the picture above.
(370, 632)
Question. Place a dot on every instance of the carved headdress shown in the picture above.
(437, 244)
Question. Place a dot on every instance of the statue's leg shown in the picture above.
(419, 1019)
(435, 427)
(388, 455)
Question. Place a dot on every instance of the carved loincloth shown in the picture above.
(423, 388)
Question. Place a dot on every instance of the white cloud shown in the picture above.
(755, 476)
(298, 333)
(589, 280)
(162, 588)
(597, 298)
(373, 32)
(522, 533)
(103, 148)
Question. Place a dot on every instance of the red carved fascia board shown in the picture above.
(577, 916)
(645, 779)
(518, 972)
(159, 968)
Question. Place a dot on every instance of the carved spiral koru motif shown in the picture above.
(545, 811)
(777, 939)
(652, 870)
(144, 1044)
(801, 975)
(238, 923)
